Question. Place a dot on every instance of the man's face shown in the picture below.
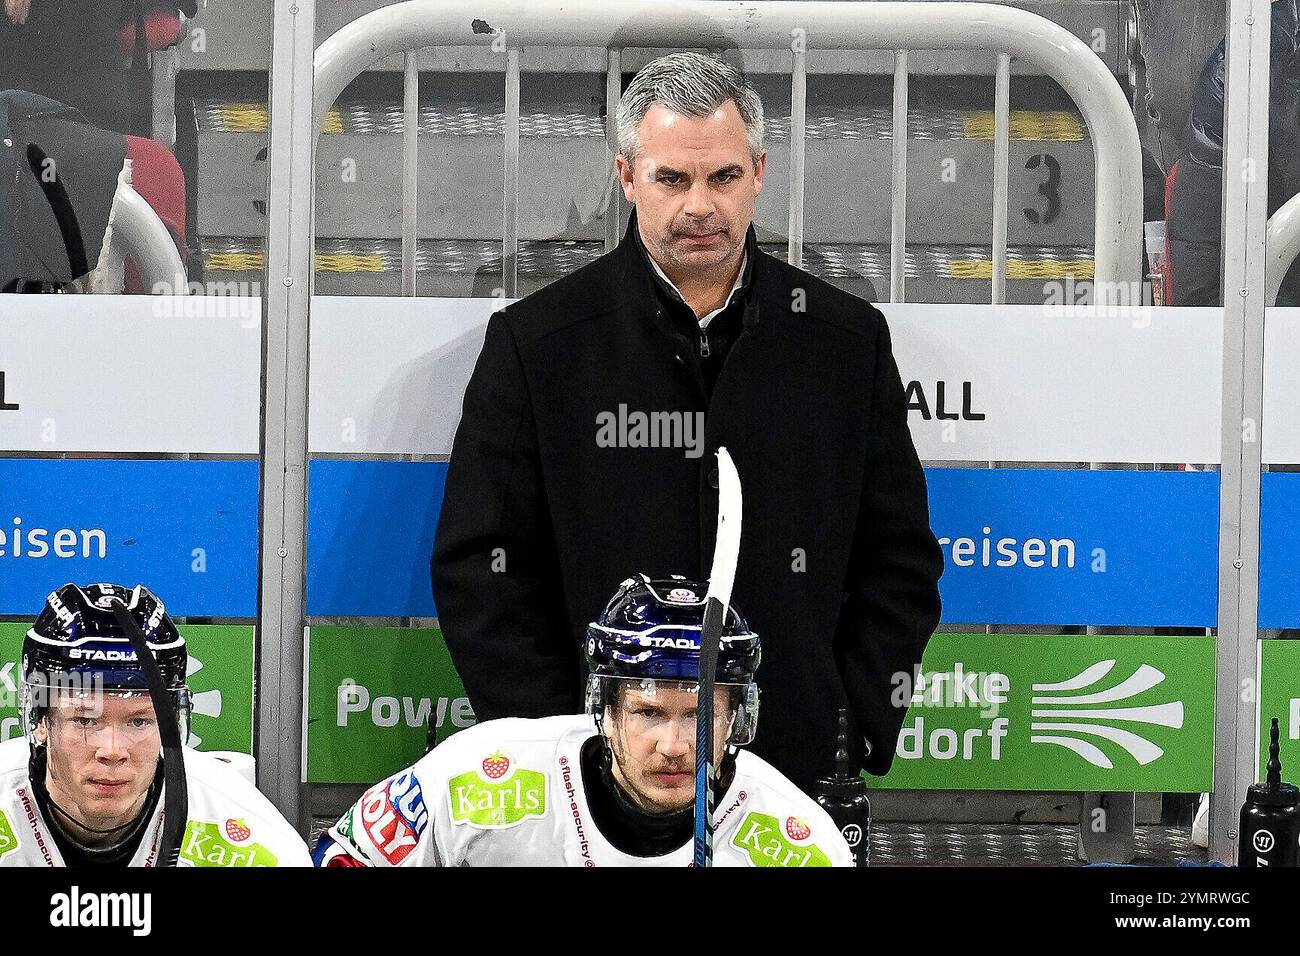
(651, 731)
(694, 186)
(102, 756)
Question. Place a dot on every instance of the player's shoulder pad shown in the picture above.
(774, 795)
(528, 742)
(218, 790)
(515, 732)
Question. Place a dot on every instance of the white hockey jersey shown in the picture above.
(230, 822)
(510, 793)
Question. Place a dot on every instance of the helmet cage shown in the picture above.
(603, 693)
(36, 698)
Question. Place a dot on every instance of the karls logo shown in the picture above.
(210, 844)
(76, 909)
(1082, 711)
(761, 839)
(497, 794)
(633, 429)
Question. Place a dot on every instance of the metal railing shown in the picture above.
(1282, 247)
(140, 234)
(778, 24)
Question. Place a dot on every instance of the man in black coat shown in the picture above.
(585, 451)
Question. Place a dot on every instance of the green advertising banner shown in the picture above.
(1279, 696)
(1064, 713)
(220, 675)
(372, 695)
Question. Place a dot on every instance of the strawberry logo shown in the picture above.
(496, 766)
(797, 829)
(238, 831)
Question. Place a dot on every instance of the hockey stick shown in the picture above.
(726, 550)
(176, 800)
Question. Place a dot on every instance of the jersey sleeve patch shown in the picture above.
(768, 841)
(8, 839)
(393, 816)
(496, 794)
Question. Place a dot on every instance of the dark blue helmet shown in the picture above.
(650, 631)
(77, 644)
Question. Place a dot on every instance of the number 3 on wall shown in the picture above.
(1049, 189)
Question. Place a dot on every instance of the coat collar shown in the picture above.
(638, 283)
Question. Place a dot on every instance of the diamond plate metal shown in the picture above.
(985, 844)
(470, 118)
(470, 257)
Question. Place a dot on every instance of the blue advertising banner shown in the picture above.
(187, 529)
(1124, 548)
(1279, 550)
(1020, 546)
(370, 534)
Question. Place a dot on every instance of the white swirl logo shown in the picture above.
(852, 834)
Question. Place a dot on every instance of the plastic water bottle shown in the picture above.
(1270, 817)
(844, 796)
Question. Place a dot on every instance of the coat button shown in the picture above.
(713, 477)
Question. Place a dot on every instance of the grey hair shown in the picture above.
(689, 84)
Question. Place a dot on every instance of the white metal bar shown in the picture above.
(1245, 205)
(985, 27)
(281, 607)
(1283, 244)
(1001, 174)
(613, 94)
(798, 149)
(898, 185)
(410, 167)
(510, 206)
(140, 234)
(164, 65)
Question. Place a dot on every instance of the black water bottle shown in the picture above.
(844, 796)
(1270, 817)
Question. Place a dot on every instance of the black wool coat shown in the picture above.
(542, 519)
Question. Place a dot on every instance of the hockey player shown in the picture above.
(86, 786)
(612, 787)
